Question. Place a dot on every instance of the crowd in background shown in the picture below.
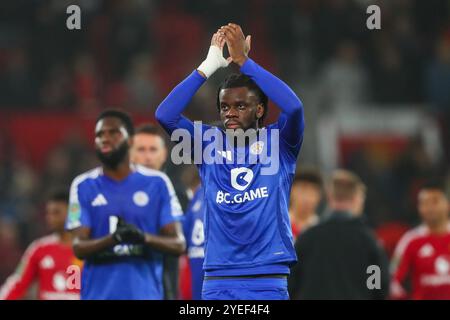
(129, 54)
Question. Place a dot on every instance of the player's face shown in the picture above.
(55, 215)
(239, 108)
(148, 150)
(306, 196)
(111, 141)
(433, 206)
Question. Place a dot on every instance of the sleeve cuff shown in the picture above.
(197, 76)
(248, 66)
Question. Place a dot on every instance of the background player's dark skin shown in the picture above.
(110, 134)
(55, 216)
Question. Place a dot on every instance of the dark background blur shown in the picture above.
(376, 101)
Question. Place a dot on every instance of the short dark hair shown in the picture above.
(150, 129)
(435, 184)
(59, 195)
(237, 80)
(310, 175)
(121, 115)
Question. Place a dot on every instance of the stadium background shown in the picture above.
(376, 101)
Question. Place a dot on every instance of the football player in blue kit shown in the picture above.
(123, 217)
(193, 228)
(248, 239)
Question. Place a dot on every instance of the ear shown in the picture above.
(165, 153)
(259, 111)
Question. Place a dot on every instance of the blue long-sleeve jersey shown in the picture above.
(247, 227)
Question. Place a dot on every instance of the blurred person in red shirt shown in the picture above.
(423, 254)
(306, 195)
(389, 234)
(47, 260)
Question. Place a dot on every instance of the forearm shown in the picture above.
(17, 285)
(275, 89)
(84, 248)
(169, 111)
(170, 244)
(291, 121)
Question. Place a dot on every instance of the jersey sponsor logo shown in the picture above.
(47, 263)
(124, 249)
(59, 282)
(258, 193)
(442, 265)
(241, 178)
(196, 252)
(426, 251)
(140, 198)
(136, 250)
(46, 295)
(441, 276)
(99, 201)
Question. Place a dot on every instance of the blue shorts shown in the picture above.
(245, 289)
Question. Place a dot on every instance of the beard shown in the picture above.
(114, 158)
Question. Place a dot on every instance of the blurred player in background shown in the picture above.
(249, 244)
(335, 254)
(122, 216)
(423, 254)
(149, 150)
(192, 272)
(193, 228)
(306, 195)
(47, 259)
(149, 147)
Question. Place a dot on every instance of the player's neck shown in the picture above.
(65, 237)
(439, 228)
(118, 173)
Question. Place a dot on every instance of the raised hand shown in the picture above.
(218, 40)
(238, 45)
(214, 59)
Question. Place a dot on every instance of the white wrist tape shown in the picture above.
(214, 60)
